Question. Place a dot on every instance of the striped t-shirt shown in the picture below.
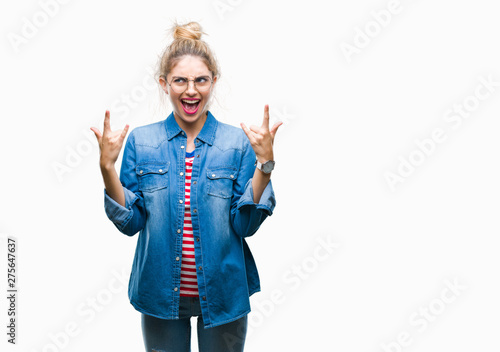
(189, 285)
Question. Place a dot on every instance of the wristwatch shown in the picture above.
(267, 167)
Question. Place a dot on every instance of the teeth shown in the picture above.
(190, 101)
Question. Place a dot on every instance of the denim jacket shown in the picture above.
(222, 209)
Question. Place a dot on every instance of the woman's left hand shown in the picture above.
(262, 138)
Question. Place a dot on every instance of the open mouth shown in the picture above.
(190, 106)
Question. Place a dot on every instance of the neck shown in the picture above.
(191, 129)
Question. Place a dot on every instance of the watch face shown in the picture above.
(268, 166)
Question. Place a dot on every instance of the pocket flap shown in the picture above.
(152, 168)
(222, 172)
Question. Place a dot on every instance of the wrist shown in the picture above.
(107, 166)
(263, 158)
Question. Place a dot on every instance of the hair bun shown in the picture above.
(191, 30)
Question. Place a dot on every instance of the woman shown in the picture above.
(193, 188)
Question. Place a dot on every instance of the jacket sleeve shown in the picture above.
(247, 216)
(131, 218)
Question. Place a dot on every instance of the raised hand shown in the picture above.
(262, 138)
(110, 142)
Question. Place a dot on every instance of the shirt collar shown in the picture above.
(207, 133)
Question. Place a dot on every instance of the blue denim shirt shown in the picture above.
(222, 209)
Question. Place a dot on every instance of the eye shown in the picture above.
(202, 79)
(179, 80)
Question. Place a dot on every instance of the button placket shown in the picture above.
(181, 184)
(194, 210)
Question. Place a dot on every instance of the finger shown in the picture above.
(255, 129)
(97, 133)
(275, 128)
(107, 127)
(245, 128)
(247, 131)
(124, 133)
(265, 121)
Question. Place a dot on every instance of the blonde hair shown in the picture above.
(187, 41)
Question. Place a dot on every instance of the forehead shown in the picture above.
(189, 66)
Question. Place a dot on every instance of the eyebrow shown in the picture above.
(194, 77)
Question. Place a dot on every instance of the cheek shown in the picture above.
(174, 98)
(206, 97)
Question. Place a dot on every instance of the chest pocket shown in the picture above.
(152, 176)
(220, 181)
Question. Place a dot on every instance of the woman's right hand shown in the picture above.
(110, 142)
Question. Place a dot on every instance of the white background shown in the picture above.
(349, 120)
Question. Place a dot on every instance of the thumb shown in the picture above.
(274, 129)
(124, 133)
(97, 133)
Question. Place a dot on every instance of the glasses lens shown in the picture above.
(203, 83)
(179, 84)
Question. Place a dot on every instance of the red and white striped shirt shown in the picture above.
(189, 285)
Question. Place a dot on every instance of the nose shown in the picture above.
(191, 90)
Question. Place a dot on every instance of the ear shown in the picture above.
(163, 84)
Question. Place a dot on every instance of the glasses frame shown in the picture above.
(187, 85)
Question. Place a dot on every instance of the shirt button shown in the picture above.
(194, 182)
(198, 155)
(200, 268)
(178, 230)
(213, 175)
(140, 172)
(160, 170)
(180, 173)
(177, 258)
(204, 298)
(182, 147)
(175, 289)
(232, 176)
(194, 210)
(197, 239)
(180, 201)
(197, 140)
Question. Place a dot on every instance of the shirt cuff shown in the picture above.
(118, 214)
(266, 203)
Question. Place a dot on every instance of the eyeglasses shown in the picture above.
(180, 84)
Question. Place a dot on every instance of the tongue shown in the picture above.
(190, 107)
